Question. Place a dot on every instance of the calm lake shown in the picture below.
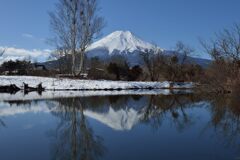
(178, 126)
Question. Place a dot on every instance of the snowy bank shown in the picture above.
(71, 84)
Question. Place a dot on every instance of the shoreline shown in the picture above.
(64, 84)
(21, 96)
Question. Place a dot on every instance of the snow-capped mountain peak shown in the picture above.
(121, 41)
(128, 45)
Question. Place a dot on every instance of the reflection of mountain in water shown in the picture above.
(117, 113)
(123, 119)
(125, 112)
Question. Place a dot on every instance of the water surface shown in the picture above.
(178, 126)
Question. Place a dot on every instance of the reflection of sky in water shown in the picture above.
(122, 127)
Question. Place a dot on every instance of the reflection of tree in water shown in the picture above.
(75, 139)
(171, 107)
(225, 118)
(225, 114)
(2, 124)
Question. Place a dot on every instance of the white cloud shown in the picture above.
(27, 35)
(34, 55)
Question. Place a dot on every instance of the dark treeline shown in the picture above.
(24, 67)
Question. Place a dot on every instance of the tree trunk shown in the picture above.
(81, 64)
(73, 63)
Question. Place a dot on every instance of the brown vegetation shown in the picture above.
(224, 74)
(172, 67)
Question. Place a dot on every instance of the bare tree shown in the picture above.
(224, 73)
(75, 24)
(153, 59)
(184, 51)
(226, 45)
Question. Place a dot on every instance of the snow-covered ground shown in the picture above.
(70, 84)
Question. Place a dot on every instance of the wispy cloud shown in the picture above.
(27, 35)
(34, 55)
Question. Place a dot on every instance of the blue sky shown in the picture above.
(25, 24)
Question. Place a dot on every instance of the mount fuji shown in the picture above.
(122, 43)
(126, 44)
